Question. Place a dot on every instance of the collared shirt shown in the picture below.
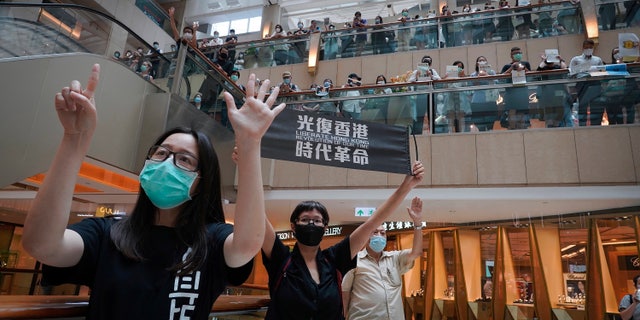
(582, 63)
(376, 286)
(294, 294)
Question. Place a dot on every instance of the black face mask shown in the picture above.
(223, 56)
(309, 234)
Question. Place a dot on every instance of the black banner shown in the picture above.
(338, 142)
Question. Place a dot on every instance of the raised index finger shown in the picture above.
(94, 77)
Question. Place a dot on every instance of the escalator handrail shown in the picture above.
(84, 8)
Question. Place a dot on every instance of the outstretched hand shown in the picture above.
(76, 107)
(253, 119)
(415, 211)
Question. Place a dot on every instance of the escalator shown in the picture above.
(48, 45)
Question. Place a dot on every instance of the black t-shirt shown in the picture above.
(298, 296)
(526, 65)
(125, 289)
(229, 38)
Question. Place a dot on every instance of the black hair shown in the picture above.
(455, 63)
(478, 58)
(635, 280)
(613, 58)
(235, 72)
(515, 49)
(588, 41)
(204, 208)
(426, 57)
(310, 205)
(383, 77)
(187, 27)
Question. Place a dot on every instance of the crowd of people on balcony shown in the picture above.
(473, 111)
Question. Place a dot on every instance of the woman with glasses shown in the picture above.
(173, 255)
(304, 283)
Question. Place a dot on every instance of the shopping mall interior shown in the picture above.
(541, 196)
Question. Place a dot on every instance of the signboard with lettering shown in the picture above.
(364, 212)
(332, 231)
(338, 142)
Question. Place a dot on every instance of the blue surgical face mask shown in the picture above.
(166, 185)
(143, 68)
(377, 243)
(197, 99)
(517, 56)
(405, 14)
(156, 46)
(234, 78)
(327, 84)
(287, 80)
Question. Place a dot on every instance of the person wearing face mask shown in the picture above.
(216, 40)
(504, 28)
(361, 32)
(457, 104)
(346, 41)
(373, 289)
(516, 99)
(587, 91)
(584, 61)
(380, 105)
(230, 42)
(299, 46)
(197, 100)
(483, 102)
(281, 53)
(629, 307)
(378, 37)
(156, 49)
(404, 31)
(327, 108)
(286, 85)
(176, 232)
(553, 99)
(145, 71)
(223, 61)
(352, 108)
(188, 37)
(428, 72)
(304, 281)
(330, 43)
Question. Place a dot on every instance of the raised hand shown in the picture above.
(415, 211)
(76, 107)
(417, 176)
(253, 119)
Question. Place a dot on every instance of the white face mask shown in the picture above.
(617, 56)
(381, 82)
(587, 52)
(187, 35)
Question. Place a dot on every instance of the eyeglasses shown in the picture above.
(317, 222)
(184, 161)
